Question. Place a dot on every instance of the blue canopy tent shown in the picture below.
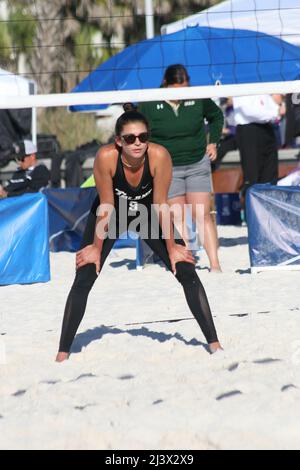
(211, 55)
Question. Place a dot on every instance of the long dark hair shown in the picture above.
(175, 74)
(131, 115)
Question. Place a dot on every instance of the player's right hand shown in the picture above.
(88, 255)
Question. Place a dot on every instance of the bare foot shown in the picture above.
(62, 356)
(217, 270)
(214, 347)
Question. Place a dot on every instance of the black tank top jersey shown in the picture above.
(127, 197)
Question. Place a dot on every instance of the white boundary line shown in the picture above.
(257, 269)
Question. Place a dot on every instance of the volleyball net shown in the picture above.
(235, 48)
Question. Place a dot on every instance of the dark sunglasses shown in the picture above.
(131, 138)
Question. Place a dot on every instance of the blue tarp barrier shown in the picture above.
(273, 218)
(24, 246)
(68, 213)
(228, 208)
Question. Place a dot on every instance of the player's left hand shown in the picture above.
(180, 253)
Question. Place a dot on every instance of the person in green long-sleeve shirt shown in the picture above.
(180, 127)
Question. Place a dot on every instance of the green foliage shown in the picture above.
(22, 29)
(71, 129)
(5, 43)
(93, 31)
(87, 55)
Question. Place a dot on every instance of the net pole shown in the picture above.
(149, 19)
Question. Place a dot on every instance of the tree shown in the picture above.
(5, 46)
(65, 39)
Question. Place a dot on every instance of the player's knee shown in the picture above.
(85, 278)
(186, 273)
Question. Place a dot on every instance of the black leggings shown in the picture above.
(86, 276)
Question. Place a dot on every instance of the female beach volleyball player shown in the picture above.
(132, 177)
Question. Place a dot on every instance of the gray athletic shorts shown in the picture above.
(194, 178)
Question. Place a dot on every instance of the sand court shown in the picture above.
(140, 375)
